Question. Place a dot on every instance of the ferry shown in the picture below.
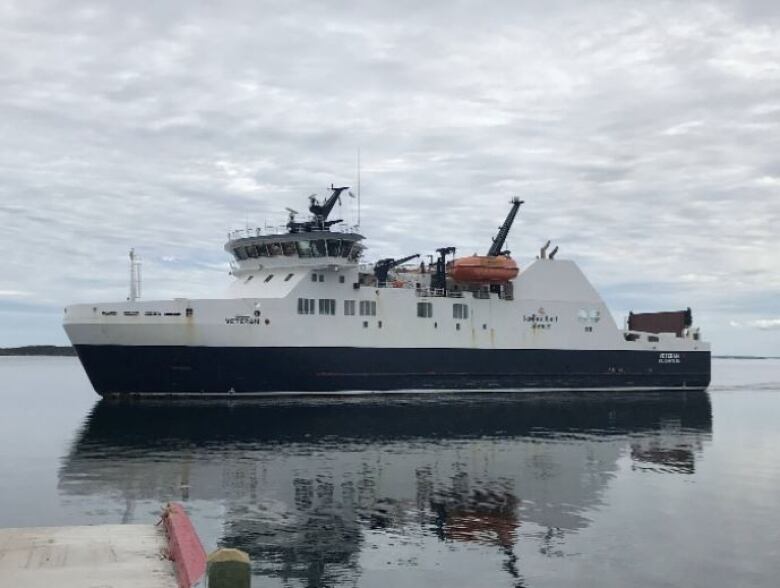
(304, 314)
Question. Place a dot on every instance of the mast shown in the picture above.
(503, 231)
(358, 187)
(135, 277)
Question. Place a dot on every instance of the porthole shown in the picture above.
(267, 322)
(257, 313)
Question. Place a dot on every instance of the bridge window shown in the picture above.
(305, 306)
(251, 251)
(460, 311)
(367, 308)
(262, 250)
(327, 306)
(349, 308)
(288, 248)
(424, 309)
(334, 247)
(318, 248)
(304, 249)
(274, 249)
(240, 253)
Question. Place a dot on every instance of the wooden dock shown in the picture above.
(109, 556)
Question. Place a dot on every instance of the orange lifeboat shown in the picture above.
(484, 269)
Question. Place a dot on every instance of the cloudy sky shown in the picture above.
(643, 136)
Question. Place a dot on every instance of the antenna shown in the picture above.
(135, 277)
(358, 185)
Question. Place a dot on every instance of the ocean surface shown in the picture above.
(587, 489)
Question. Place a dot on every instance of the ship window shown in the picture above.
(239, 253)
(262, 250)
(349, 308)
(249, 279)
(367, 308)
(588, 329)
(327, 306)
(288, 248)
(322, 277)
(346, 247)
(269, 278)
(318, 248)
(457, 326)
(355, 252)
(341, 279)
(287, 279)
(365, 324)
(334, 247)
(652, 338)
(314, 277)
(304, 249)
(424, 309)
(305, 306)
(251, 251)
(274, 249)
(460, 311)
(379, 324)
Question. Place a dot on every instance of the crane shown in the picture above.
(503, 231)
(322, 210)
(383, 266)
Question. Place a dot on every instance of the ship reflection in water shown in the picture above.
(309, 487)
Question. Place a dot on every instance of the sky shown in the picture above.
(643, 137)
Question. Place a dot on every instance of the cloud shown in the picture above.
(643, 139)
(766, 324)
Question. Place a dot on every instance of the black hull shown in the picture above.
(247, 370)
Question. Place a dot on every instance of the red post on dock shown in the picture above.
(184, 546)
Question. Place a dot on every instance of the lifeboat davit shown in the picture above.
(484, 269)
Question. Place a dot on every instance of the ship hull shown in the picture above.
(187, 370)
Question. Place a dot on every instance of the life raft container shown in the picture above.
(484, 269)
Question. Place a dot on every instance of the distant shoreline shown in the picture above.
(44, 350)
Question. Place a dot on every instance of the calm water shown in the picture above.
(571, 490)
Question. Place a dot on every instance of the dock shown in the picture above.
(167, 555)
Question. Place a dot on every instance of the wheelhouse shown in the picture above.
(298, 245)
